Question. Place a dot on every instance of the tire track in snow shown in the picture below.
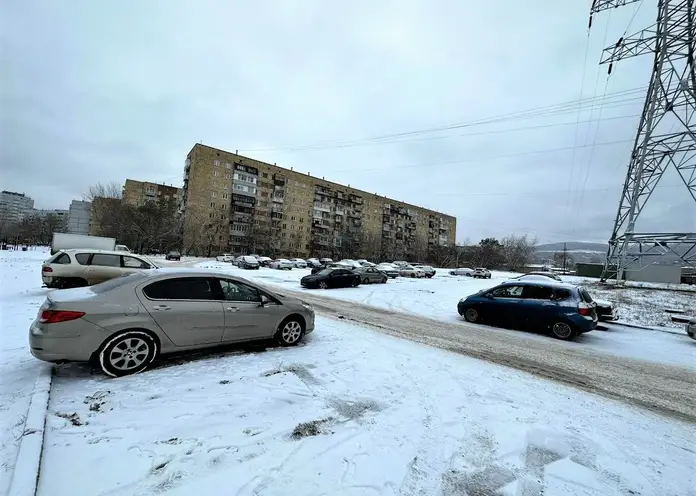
(661, 388)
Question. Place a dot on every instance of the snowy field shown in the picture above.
(437, 298)
(349, 412)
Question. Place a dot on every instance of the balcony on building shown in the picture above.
(324, 207)
(246, 168)
(340, 210)
(386, 227)
(278, 198)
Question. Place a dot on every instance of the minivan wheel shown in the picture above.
(563, 330)
(471, 315)
(290, 332)
(127, 353)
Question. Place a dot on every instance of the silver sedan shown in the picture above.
(125, 323)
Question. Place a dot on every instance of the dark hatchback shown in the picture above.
(173, 255)
(331, 278)
(564, 310)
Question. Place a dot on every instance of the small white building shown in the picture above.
(79, 217)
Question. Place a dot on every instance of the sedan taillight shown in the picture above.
(46, 269)
(55, 316)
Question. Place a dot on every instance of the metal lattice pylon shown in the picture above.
(666, 133)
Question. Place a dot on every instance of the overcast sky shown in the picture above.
(104, 91)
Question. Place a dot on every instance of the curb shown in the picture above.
(25, 476)
(646, 328)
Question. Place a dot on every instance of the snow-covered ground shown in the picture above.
(437, 298)
(351, 411)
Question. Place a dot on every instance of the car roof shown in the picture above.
(106, 252)
(550, 283)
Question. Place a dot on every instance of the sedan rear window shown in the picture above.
(117, 282)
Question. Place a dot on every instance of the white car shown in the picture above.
(299, 263)
(265, 261)
(281, 264)
(481, 273)
(462, 271)
(225, 257)
(75, 268)
(348, 262)
(411, 271)
(399, 263)
(388, 269)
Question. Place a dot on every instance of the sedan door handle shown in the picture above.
(162, 307)
(232, 309)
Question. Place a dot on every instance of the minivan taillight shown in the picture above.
(55, 316)
(585, 310)
(46, 269)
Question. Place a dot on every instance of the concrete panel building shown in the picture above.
(79, 217)
(241, 205)
(14, 207)
(138, 193)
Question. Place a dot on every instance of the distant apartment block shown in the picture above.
(238, 204)
(79, 217)
(139, 193)
(44, 212)
(14, 207)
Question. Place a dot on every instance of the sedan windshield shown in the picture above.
(324, 272)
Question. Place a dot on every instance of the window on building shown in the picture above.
(228, 166)
(227, 176)
(224, 196)
(285, 226)
(212, 204)
(214, 194)
(217, 162)
(216, 173)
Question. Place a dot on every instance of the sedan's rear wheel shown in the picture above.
(366, 281)
(384, 280)
(323, 285)
(355, 283)
(290, 332)
(471, 315)
(128, 353)
(563, 330)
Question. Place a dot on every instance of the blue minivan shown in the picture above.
(564, 310)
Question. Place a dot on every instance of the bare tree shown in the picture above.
(99, 190)
(518, 251)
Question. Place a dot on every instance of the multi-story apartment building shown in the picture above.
(242, 205)
(138, 193)
(14, 207)
(79, 217)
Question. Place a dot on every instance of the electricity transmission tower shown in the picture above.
(666, 134)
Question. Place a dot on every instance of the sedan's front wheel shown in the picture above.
(290, 332)
(471, 315)
(366, 281)
(128, 353)
(323, 285)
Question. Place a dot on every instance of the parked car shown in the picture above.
(354, 264)
(281, 264)
(330, 266)
(331, 278)
(125, 323)
(564, 310)
(313, 262)
(173, 255)
(248, 262)
(299, 263)
(399, 263)
(237, 260)
(410, 271)
(225, 257)
(461, 271)
(265, 261)
(371, 274)
(606, 310)
(75, 268)
(429, 271)
(691, 328)
(544, 273)
(325, 261)
(481, 273)
(388, 269)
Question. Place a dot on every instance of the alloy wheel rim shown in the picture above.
(292, 332)
(322, 285)
(129, 354)
(471, 314)
(562, 330)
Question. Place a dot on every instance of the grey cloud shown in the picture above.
(103, 91)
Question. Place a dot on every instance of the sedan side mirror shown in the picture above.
(488, 295)
(264, 300)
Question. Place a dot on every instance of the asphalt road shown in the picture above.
(665, 389)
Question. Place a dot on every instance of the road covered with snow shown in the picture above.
(350, 411)
(437, 299)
